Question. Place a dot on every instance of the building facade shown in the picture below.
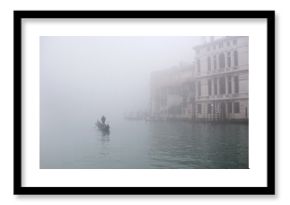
(215, 87)
(222, 77)
(173, 93)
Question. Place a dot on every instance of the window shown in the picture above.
(199, 108)
(220, 44)
(209, 87)
(222, 85)
(199, 88)
(228, 43)
(209, 109)
(208, 64)
(214, 63)
(222, 60)
(215, 86)
(236, 81)
(236, 61)
(229, 85)
(229, 59)
(235, 42)
(230, 109)
(237, 107)
(214, 47)
(198, 66)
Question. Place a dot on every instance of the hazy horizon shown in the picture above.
(83, 78)
(112, 72)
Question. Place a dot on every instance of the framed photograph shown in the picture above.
(144, 102)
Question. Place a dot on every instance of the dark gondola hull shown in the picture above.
(103, 127)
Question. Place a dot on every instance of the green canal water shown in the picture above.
(75, 143)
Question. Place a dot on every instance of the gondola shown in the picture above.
(103, 127)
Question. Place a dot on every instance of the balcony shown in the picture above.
(223, 97)
(214, 73)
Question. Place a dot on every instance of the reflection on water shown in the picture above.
(105, 133)
(199, 145)
(146, 145)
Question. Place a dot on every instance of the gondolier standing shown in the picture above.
(102, 126)
(103, 119)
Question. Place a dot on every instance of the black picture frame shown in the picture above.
(269, 16)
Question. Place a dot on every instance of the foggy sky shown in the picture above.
(108, 75)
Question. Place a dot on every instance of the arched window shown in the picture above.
(214, 63)
(229, 59)
(209, 86)
(222, 61)
(229, 85)
(236, 60)
(236, 81)
(222, 85)
(237, 107)
(208, 64)
(199, 88)
(215, 86)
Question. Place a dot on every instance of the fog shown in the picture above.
(83, 78)
(105, 75)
